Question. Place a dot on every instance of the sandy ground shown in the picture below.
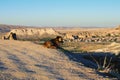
(28, 61)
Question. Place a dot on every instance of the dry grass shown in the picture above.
(83, 46)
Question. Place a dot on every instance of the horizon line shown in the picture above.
(20, 25)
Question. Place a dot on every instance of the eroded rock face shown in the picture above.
(34, 31)
(9, 36)
(68, 36)
(105, 35)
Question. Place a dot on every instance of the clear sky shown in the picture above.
(101, 13)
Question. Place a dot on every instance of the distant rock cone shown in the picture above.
(118, 27)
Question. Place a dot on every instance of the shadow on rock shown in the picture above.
(77, 57)
(94, 60)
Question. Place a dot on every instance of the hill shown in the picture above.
(28, 61)
(6, 28)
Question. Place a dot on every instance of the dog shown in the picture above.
(54, 43)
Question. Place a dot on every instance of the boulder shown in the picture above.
(10, 36)
(68, 36)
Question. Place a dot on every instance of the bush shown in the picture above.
(109, 65)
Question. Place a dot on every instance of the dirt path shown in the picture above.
(28, 61)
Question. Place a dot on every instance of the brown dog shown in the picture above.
(54, 43)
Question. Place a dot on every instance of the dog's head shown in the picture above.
(60, 39)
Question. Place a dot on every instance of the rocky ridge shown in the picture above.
(32, 33)
(106, 35)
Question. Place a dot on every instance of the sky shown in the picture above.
(87, 13)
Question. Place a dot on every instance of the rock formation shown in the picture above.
(34, 31)
(105, 35)
(30, 33)
(68, 36)
(10, 36)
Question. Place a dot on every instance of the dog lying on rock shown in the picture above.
(54, 43)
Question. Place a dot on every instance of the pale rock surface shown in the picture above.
(28, 61)
(34, 31)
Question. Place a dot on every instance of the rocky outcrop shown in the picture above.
(32, 33)
(68, 36)
(93, 36)
(9, 36)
